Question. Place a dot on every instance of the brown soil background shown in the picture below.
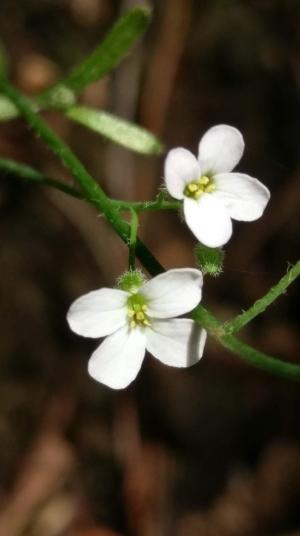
(210, 451)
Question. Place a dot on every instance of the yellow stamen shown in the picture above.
(192, 187)
(196, 188)
(204, 180)
(210, 188)
(137, 311)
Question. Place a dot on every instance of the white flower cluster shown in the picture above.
(142, 316)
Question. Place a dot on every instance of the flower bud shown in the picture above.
(131, 281)
(61, 97)
(209, 260)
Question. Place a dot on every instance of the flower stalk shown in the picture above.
(29, 174)
(134, 224)
(261, 305)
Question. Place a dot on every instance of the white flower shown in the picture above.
(141, 320)
(211, 194)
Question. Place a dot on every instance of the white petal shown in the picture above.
(220, 149)
(173, 293)
(244, 197)
(98, 313)
(177, 342)
(208, 219)
(117, 361)
(181, 167)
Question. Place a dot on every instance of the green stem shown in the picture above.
(208, 320)
(92, 190)
(275, 366)
(144, 206)
(132, 241)
(27, 173)
(270, 364)
(260, 305)
(115, 45)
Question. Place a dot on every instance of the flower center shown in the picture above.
(195, 189)
(137, 311)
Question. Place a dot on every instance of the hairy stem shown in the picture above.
(144, 206)
(90, 189)
(29, 174)
(275, 366)
(270, 364)
(260, 305)
(134, 224)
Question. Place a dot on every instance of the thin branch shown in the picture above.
(261, 305)
(144, 206)
(89, 186)
(263, 361)
(29, 174)
(134, 224)
(277, 367)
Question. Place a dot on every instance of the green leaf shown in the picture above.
(110, 52)
(103, 59)
(115, 129)
(7, 109)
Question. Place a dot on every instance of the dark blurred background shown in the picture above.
(209, 451)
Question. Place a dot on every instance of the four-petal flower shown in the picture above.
(141, 320)
(212, 195)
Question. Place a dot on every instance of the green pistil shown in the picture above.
(195, 189)
(137, 311)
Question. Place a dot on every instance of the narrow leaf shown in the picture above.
(115, 129)
(7, 109)
(110, 52)
(103, 59)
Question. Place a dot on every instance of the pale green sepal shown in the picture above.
(209, 260)
(131, 281)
